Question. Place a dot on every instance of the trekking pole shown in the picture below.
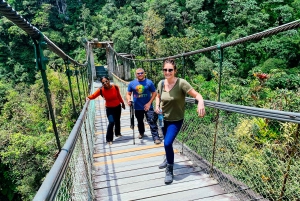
(132, 120)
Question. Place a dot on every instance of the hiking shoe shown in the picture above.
(157, 141)
(164, 163)
(119, 135)
(141, 136)
(169, 174)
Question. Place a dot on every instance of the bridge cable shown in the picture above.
(256, 36)
(32, 31)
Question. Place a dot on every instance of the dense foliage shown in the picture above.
(260, 73)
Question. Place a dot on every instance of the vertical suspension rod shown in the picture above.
(69, 73)
(220, 50)
(78, 84)
(41, 65)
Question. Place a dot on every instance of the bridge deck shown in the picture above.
(124, 171)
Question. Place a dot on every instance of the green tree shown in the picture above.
(153, 25)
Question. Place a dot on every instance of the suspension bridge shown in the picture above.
(209, 164)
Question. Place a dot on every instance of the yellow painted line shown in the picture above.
(132, 158)
(104, 132)
(100, 117)
(122, 129)
(128, 150)
(101, 107)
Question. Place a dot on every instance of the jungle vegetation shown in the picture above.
(260, 73)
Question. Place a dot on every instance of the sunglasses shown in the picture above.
(169, 70)
(105, 82)
(140, 73)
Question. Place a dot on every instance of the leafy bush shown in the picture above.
(286, 81)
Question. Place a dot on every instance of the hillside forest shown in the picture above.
(262, 73)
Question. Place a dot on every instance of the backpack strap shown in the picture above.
(161, 89)
(116, 86)
(101, 91)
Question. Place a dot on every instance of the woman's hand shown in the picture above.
(201, 109)
(198, 97)
(158, 110)
(123, 106)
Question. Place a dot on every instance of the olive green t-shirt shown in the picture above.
(173, 102)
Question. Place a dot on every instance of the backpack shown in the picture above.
(117, 88)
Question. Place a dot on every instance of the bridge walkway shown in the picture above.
(127, 171)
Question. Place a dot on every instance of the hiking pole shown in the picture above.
(132, 119)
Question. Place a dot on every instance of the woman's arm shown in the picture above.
(95, 94)
(157, 100)
(199, 98)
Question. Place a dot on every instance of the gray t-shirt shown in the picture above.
(173, 102)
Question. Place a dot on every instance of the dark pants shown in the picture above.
(170, 131)
(113, 115)
(151, 119)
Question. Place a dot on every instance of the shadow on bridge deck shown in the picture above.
(124, 171)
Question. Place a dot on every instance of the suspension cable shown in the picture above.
(256, 36)
(33, 32)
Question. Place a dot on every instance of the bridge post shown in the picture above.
(127, 70)
(110, 61)
(92, 62)
(116, 66)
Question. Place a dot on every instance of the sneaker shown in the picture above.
(157, 141)
(141, 136)
(119, 135)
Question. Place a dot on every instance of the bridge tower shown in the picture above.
(109, 56)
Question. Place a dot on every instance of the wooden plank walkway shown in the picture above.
(124, 171)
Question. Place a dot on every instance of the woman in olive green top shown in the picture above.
(170, 100)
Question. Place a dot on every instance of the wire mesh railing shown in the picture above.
(122, 85)
(70, 178)
(251, 155)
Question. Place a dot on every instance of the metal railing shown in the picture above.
(70, 178)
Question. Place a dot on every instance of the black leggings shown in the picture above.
(113, 115)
